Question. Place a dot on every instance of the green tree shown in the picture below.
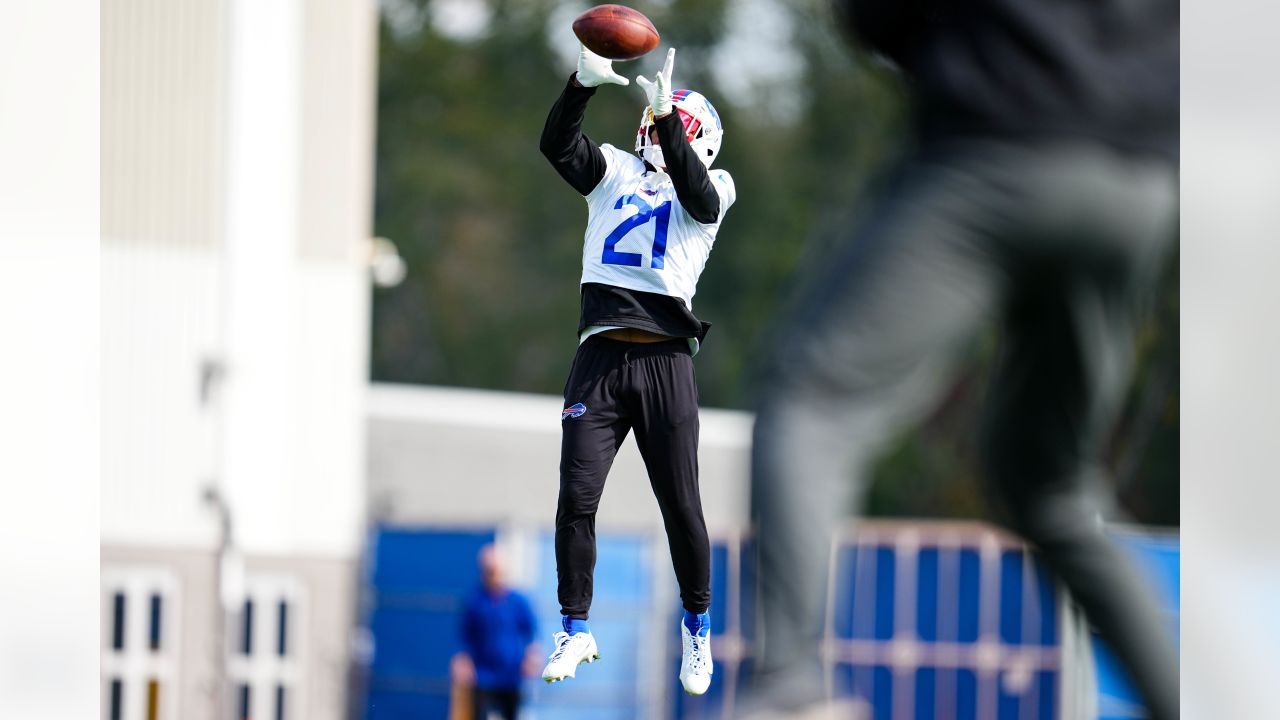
(493, 236)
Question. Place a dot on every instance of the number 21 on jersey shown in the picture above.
(660, 215)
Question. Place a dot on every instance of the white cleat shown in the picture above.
(570, 651)
(695, 663)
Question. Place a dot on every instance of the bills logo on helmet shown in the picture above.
(573, 411)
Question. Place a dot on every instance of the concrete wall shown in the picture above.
(322, 593)
(189, 653)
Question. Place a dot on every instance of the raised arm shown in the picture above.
(689, 176)
(573, 155)
(688, 173)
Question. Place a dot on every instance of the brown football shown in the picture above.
(616, 32)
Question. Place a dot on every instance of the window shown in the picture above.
(282, 625)
(156, 612)
(115, 704)
(246, 704)
(117, 621)
(153, 699)
(265, 667)
(139, 662)
(246, 628)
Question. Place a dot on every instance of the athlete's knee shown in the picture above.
(809, 380)
(1055, 519)
(578, 497)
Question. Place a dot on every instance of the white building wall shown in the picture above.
(163, 108)
(263, 132)
(237, 187)
(222, 144)
(160, 321)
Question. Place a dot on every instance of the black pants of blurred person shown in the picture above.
(505, 703)
(1058, 243)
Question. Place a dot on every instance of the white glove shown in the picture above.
(658, 90)
(594, 70)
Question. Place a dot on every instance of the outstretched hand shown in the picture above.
(594, 70)
(658, 90)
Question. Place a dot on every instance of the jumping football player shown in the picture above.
(652, 219)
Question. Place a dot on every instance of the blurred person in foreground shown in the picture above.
(1041, 194)
(652, 219)
(497, 634)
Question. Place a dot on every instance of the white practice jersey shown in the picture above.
(639, 237)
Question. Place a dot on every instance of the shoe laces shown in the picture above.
(563, 640)
(697, 657)
(562, 643)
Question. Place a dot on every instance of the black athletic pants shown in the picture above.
(1055, 242)
(505, 702)
(649, 388)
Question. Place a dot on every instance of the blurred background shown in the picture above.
(339, 297)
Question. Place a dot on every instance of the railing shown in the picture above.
(925, 619)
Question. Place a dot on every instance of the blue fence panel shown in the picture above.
(943, 626)
(870, 682)
(947, 589)
(391, 701)
(418, 580)
(621, 612)
(1023, 695)
(1028, 611)
(968, 595)
(865, 578)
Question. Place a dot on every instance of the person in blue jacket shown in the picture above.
(497, 635)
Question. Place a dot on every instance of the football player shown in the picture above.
(652, 218)
(1041, 196)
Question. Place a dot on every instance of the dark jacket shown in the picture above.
(1104, 70)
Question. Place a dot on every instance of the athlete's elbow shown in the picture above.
(550, 146)
(548, 149)
(559, 160)
(705, 213)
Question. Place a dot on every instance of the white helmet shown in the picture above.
(701, 125)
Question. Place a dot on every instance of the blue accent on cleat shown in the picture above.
(699, 624)
(573, 626)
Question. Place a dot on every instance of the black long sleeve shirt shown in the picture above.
(1105, 70)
